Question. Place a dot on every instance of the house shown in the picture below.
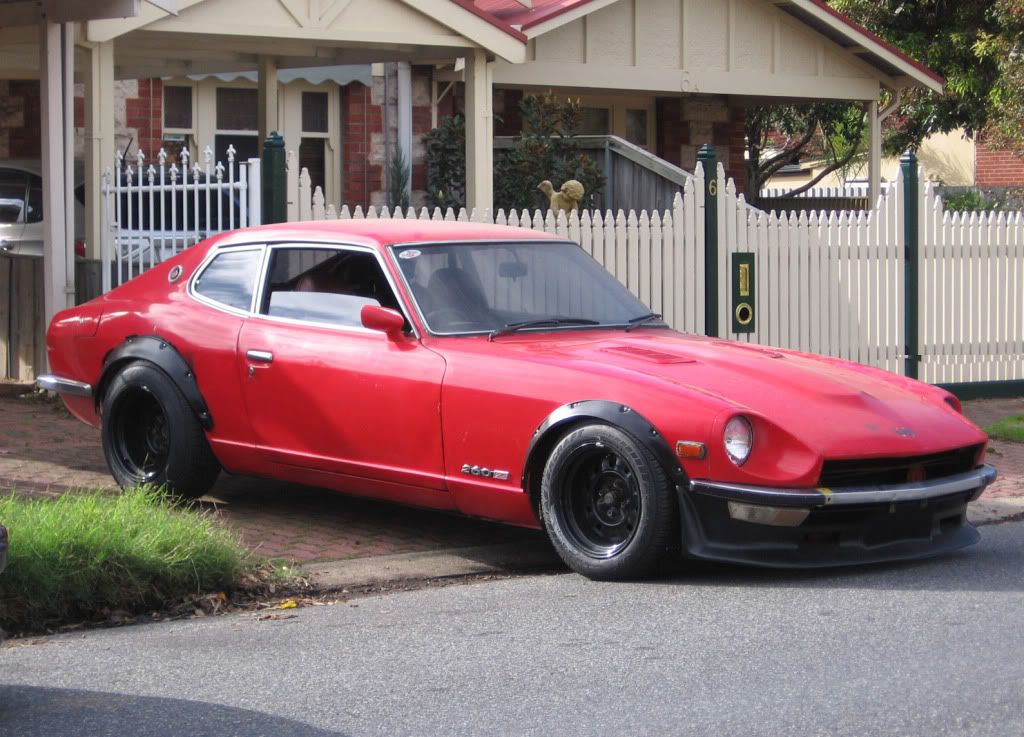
(669, 75)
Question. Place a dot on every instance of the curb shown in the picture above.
(991, 511)
(521, 557)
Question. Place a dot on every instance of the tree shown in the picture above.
(962, 40)
(834, 132)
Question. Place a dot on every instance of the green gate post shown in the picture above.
(275, 180)
(706, 156)
(911, 239)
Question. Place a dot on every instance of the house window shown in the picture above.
(178, 108)
(313, 145)
(636, 127)
(237, 123)
(314, 112)
(596, 121)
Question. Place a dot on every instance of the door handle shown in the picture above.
(260, 356)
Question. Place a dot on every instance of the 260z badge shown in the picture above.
(485, 472)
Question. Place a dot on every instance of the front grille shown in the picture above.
(874, 471)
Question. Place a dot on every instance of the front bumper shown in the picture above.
(830, 527)
(61, 385)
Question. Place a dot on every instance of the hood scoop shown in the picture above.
(647, 354)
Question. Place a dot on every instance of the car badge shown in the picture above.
(487, 473)
(916, 473)
(174, 274)
(905, 432)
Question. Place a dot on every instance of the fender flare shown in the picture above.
(163, 355)
(611, 413)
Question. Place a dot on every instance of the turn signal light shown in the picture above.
(691, 450)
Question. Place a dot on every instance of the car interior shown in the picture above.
(325, 286)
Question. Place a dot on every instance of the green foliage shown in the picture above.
(968, 200)
(75, 556)
(446, 163)
(398, 178)
(778, 135)
(546, 149)
(971, 43)
(1008, 428)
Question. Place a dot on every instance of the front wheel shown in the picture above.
(151, 436)
(608, 506)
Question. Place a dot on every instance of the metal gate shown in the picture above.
(151, 213)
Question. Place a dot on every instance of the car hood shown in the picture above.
(839, 408)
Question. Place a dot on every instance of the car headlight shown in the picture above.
(738, 439)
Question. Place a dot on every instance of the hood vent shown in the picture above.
(646, 354)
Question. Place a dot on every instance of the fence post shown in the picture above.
(912, 265)
(709, 161)
(275, 189)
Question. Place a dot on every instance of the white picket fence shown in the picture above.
(829, 283)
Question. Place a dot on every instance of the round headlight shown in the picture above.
(738, 439)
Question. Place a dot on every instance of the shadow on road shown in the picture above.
(44, 712)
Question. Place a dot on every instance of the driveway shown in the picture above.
(43, 450)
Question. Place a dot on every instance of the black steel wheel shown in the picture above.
(606, 503)
(151, 436)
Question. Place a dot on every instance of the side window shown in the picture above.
(325, 285)
(12, 196)
(230, 278)
(34, 211)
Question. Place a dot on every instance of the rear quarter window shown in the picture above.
(230, 278)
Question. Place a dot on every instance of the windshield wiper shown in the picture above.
(638, 321)
(542, 323)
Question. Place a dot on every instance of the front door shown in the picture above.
(324, 392)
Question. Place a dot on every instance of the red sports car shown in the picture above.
(504, 374)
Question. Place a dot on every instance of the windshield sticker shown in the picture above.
(411, 253)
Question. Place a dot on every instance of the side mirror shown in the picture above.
(382, 319)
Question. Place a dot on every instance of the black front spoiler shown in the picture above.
(842, 526)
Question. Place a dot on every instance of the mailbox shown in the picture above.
(743, 297)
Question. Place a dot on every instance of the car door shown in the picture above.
(324, 392)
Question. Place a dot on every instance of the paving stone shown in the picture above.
(44, 451)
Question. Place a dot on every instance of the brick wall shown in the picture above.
(994, 168)
(360, 121)
(20, 119)
(684, 124)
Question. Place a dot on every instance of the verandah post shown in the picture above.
(912, 264)
(709, 161)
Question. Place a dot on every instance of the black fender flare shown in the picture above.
(163, 355)
(611, 413)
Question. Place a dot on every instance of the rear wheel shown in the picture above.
(608, 506)
(151, 436)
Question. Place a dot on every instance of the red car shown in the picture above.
(504, 374)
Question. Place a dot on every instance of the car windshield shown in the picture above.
(462, 288)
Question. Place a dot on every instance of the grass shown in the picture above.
(83, 556)
(1008, 428)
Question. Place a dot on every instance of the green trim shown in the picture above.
(709, 160)
(911, 325)
(1010, 389)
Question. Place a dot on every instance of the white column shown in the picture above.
(267, 94)
(405, 117)
(99, 139)
(479, 132)
(57, 121)
(874, 154)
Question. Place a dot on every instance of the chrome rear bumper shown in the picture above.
(59, 384)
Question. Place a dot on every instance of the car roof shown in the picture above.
(384, 232)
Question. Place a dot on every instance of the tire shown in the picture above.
(151, 435)
(607, 505)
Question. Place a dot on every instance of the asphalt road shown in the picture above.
(927, 649)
